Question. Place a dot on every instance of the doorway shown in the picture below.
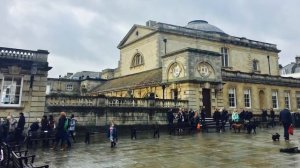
(206, 101)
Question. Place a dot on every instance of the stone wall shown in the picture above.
(120, 116)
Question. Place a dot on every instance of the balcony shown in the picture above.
(98, 102)
(20, 54)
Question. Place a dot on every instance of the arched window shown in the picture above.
(137, 60)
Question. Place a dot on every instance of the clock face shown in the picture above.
(176, 71)
(203, 70)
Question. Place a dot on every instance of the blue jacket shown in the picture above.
(285, 116)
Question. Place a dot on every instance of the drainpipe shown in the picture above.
(165, 41)
(269, 65)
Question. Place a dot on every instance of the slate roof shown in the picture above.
(143, 79)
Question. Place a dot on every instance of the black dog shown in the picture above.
(275, 137)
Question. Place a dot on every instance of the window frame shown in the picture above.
(68, 88)
(276, 94)
(298, 100)
(230, 98)
(20, 91)
(255, 68)
(249, 98)
(287, 100)
(137, 60)
(225, 56)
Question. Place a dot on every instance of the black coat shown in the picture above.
(285, 116)
(21, 123)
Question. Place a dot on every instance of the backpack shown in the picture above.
(67, 125)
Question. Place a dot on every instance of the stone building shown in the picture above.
(23, 81)
(292, 69)
(202, 64)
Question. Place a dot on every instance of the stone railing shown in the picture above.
(11, 53)
(90, 101)
(216, 36)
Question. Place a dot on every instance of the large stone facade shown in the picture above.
(23, 81)
(204, 65)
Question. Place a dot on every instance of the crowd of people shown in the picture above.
(12, 130)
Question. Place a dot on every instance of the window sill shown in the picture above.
(227, 68)
(257, 72)
(11, 107)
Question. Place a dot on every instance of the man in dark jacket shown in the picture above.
(217, 117)
(286, 118)
(224, 118)
(20, 127)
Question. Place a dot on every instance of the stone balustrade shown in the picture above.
(11, 53)
(215, 36)
(90, 101)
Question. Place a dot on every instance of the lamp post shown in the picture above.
(163, 88)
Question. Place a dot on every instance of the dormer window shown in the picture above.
(255, 65)
(137, 60)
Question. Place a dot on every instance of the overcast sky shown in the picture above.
(84, 34)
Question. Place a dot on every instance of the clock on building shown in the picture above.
(203, 70)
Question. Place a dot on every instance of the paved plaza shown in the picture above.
(198, 150)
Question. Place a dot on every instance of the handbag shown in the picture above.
(291, 130)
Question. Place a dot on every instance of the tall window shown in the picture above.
(137, 60)
(287, 100)
(274, 99)
(231, 97)
(255, 65)
(224, 52)
(298, 99)
(247, 98)
(11, 91)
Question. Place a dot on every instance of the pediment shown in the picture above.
(136, 32)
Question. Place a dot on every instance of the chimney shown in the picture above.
(297, 59)
(151, 23)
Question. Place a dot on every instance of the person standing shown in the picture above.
(20, 127)
(217, 117)
(286, 118)
(264, 115)
(203, 114)
(224, 118)
(60, 131)
(72, 127)
(272, 116)
(112, 135)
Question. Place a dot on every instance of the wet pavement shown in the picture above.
(197, 150)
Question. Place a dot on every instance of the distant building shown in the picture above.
(292, 69)
(23, 80)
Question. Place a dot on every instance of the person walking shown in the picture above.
(286, 118)
(112, 135)
(72, 127)
(60, 131)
